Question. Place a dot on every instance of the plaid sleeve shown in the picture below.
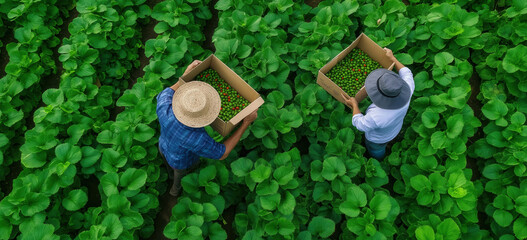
(208, 148)
(164, 104)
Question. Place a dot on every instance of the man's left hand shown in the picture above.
(350, 101)
(191, 66)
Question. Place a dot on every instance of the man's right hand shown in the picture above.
(251, 117)
(350, 101)
(389, 54)
(231, 142)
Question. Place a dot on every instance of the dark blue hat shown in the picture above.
(387, 89)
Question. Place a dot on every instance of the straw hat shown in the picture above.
(196, 104)
(387, 89)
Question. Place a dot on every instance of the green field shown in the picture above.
(79, 130)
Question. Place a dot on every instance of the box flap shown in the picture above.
(198, 69)
(374, 51)
(246, 111)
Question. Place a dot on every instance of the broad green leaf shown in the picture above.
(521, 205)
(357, 195)
(89, 156)
(287, 205)
(216, 232)
(3, 140)
(241, 167)
(34, 203)
(85, 70)
(109, 183)
(133, 178)
(138, 152)
(515, 59)
(162, 68)
(35, 228)
(517, 118)
(223, 5)
(276, 98)
(425, 197)
(404, 58)
(285, 227)
(283, 175)
(494, 109)
(53, 97)
(355, 199)
(430, 119)
(76, 200)
(520, 228)
(425, 233)
(454, 125)
(426, 162)
(502, 201)
(267, 187)
(260, 173)
(175, 228)
(270, 202)
(206, 175)
(443, 58)
(448, 229)
(113, 225)
(322, 192)
(425, 148)
(492, 171)
(420, 183)
(143, 132)
(321, 226)
(496, 139)
(210, 213)
(502, 217)
(456, 179)
(380, 205)
(5, 228)
(438, 140)
(127, 100)
(333, 167)
(67, 152)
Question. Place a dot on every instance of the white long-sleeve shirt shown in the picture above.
(383, 125)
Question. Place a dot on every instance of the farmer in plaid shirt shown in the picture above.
(183, 111)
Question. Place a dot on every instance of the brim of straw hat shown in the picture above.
(378, 98)
(212, 105)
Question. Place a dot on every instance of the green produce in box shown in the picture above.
(231, 101)
(351, 72)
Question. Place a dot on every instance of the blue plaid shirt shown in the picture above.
(182, 145)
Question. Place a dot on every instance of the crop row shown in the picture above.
(60, 149)
(502, 149)
(34, 28)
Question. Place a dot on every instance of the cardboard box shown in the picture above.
(246, 91)
(367, 45)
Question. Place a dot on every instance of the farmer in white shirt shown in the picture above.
(390, 94)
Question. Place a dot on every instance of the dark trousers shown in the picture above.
(376, 150)
(177, 175)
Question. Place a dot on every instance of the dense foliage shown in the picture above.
(88, 147)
